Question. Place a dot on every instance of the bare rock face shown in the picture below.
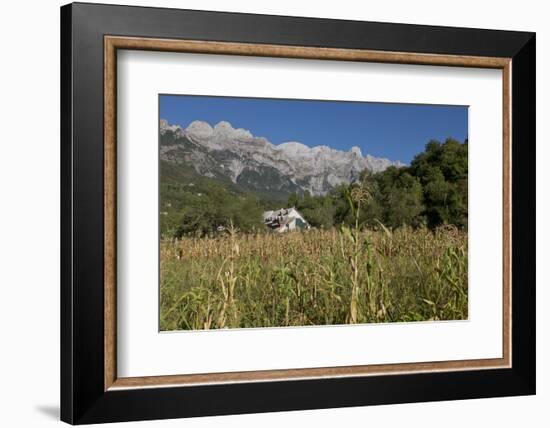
(258, 164)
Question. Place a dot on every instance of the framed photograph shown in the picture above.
(266, 213)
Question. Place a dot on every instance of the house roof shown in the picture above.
(287, 214)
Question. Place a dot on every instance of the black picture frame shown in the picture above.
(83, 398)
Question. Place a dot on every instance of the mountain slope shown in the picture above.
(256, 165)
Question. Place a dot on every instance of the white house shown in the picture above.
(285, 220)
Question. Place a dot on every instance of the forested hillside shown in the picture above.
(431, 191)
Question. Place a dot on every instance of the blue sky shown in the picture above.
(393, 131)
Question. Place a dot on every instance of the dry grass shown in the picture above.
(318, 277)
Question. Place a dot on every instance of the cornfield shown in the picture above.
(316, 277)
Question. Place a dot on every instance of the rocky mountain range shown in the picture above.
(255, 164)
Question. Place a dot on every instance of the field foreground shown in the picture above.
(318, 277)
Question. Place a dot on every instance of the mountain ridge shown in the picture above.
(258, 165)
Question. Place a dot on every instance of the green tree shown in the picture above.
(443, 172)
